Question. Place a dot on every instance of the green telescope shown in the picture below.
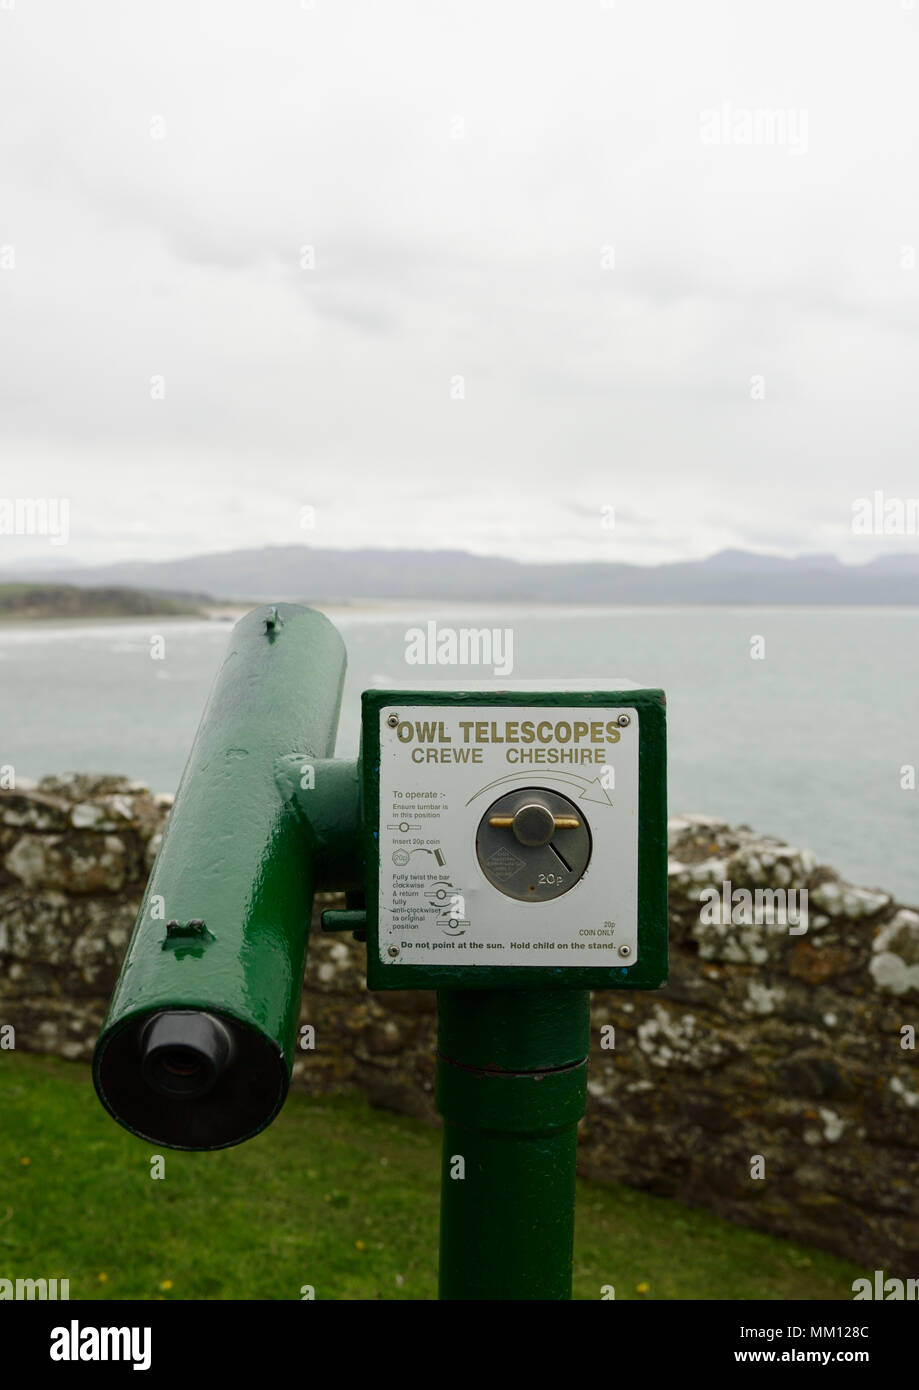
(196, 1048)
(503, 845)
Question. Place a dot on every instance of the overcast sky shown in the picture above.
(653, 256)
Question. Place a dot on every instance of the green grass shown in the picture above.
(334, 1194)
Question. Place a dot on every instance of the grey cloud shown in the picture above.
(439, 257)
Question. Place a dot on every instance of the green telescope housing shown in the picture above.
(196, 1049)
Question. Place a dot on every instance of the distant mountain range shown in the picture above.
(309, 573)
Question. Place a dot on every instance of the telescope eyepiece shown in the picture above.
(190, 1078)
(184, 1053)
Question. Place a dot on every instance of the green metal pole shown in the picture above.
(511, 1085)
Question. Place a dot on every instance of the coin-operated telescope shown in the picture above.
(505, 847)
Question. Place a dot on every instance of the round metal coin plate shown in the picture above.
(533, 872)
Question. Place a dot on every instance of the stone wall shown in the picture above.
(787, 1045)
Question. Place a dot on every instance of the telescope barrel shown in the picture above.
(196, 1048)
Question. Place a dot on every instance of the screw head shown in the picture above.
(625, 950)
(393, 951)
(393, 720)
(623, 720)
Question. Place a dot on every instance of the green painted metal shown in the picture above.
(235, 875)
(511, 1085)
(353, 919)
(325, 793)
(650, 970)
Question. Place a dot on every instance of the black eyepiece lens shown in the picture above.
(184, 1053)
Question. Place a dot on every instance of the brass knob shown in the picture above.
(534, 824)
